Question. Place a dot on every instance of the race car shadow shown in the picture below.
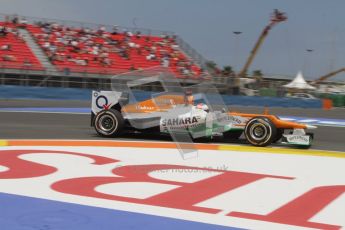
(166, 137)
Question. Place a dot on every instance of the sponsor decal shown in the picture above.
(298, 139)
(235, 120)
(182, 122)
(101, 102)
(144, 107)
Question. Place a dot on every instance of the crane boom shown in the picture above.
(331, 74)
(276, 17)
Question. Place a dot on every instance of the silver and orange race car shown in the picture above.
(173, 113)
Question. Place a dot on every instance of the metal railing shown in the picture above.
(191, 52)
(82, 71)
(90, 25)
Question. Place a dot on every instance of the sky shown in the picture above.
(208, 25)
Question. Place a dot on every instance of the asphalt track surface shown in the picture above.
(29, 211)
(27, 125)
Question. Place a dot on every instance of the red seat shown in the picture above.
(136, 59)
(23, 58)
(137, 56)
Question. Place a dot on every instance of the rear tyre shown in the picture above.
(109, 123)
(260, 131)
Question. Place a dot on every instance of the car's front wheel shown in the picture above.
(109, 123)
(260, 131)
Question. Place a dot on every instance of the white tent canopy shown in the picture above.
(299, 83)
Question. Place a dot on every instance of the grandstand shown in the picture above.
(14, 51)
(51, 48)
(50, 52)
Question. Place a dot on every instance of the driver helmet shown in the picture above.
(203, 107)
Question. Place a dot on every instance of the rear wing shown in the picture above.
(104, 100)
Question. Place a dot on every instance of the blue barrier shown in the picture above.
(251, 101)
(272, 101)
(51, 93)
(21, 92)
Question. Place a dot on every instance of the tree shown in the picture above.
(211, 65)
(212, 68)
(227, 71)
(257, 73)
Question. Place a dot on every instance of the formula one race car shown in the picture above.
(173, 113)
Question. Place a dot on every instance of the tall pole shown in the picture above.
(307, 60)
(236, 33)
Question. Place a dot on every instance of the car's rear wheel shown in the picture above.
(109, 123)
(260, 131)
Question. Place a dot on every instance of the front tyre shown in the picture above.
(260, 131)
(109, 123)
